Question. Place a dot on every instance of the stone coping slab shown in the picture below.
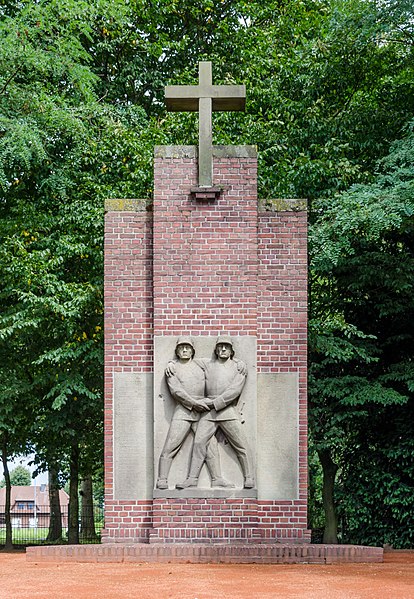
(198, 553)
(283, 205)
(127, 205)
(145, 205)
(192, 151)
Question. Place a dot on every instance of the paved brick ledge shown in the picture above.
(201, 553)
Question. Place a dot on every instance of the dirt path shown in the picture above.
(394, 579)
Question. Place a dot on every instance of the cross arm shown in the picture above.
(183, 98)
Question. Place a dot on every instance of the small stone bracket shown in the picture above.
(202, 194)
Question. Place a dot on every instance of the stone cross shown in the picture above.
(204, 98)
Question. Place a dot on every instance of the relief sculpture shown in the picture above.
(206, 393)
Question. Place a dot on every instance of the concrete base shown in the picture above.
(199, 553)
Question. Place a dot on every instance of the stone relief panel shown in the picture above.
(277, 471)
(205, 413)
(133, 446)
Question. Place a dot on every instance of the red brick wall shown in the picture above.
(205, 253)
(282, 291)
(204, 520)
(128, 342)
(218, 266)
(229, 520)
(282, 339)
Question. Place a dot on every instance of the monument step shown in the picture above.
(207, 553)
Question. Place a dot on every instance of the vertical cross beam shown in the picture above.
(205, 128)
(205, 98)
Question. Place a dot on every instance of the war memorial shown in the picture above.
(206, 362)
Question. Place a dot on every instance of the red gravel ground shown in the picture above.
(394, 579)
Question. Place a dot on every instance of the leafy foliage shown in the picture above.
(362, 377)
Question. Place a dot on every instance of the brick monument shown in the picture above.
(205, 260)
(205, 364)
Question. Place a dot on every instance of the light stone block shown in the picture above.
(192, 152)
(164, 351)
(278, 436)
(133, 436)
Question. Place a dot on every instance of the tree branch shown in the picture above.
(12, 76)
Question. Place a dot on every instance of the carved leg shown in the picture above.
(163, 470)
(192, 479)
(237, 439)
(205, 431)
(214, 465)
(247, 472)
(216, 479)
(177, 433)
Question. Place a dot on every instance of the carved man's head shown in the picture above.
(184, 348)
(224, 347)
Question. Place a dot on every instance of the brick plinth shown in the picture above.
(228, 520)
(199, 553)
(205, 520)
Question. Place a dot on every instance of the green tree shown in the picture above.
(362, 349)
(51, 256)
(19, 476)
(16, 417)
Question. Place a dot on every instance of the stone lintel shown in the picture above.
(127, 205)
(283, 205)
(216, 493)
(218, 151)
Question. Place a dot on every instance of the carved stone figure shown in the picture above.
(225, 379)
(186, 381)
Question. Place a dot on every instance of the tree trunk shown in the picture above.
(88, 532)
(9, 539)
(330, 534)
(55, 526)
(73, 524)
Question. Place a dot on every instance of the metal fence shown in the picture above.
(30, 525)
